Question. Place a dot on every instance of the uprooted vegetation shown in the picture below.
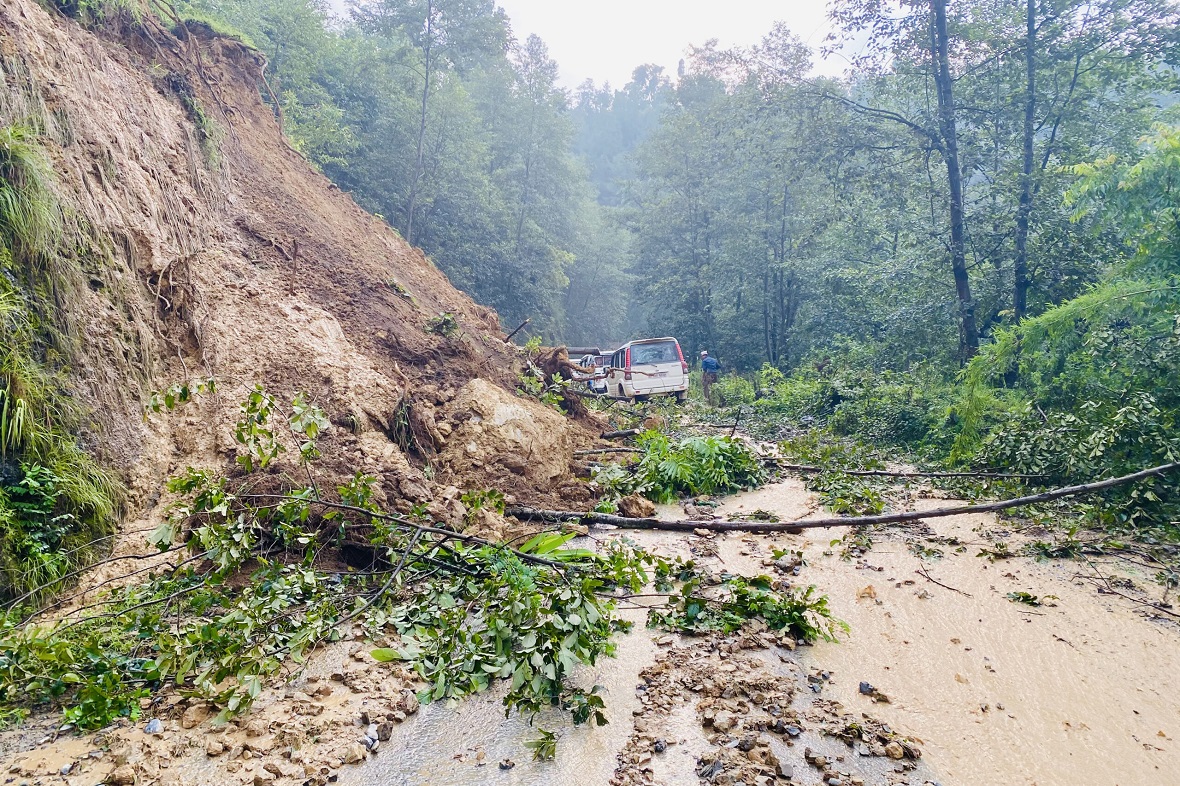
(670, 468)
(258, 566)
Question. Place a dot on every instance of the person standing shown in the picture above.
(710, 368)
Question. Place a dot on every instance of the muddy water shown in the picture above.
(442, 746)
(1081, 692)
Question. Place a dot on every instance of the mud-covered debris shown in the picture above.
(636, 507)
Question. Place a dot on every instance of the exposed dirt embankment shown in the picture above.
(218, 251)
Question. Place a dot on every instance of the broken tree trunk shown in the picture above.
(627, 432)
(596, 451)
(890, 474)
(526, 514)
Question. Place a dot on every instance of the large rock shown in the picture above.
(636, 507)
(499, 434)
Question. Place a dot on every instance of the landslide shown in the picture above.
(213, 249)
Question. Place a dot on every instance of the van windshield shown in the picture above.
(655, 352)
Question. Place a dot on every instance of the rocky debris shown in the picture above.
(195, 715)
(301, 735)
(122, 776)
(634, 506)
(695, 512)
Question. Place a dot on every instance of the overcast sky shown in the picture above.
(605, 39)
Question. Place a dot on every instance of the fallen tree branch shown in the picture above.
(922, 572)
(627, 432)
(596, 451)
(531, 514)
(891, 474)
(519, 328)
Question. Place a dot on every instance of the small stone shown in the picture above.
(255, 728)
(214, 748)
(194, 716)
(507, 764)
(355, 754)
(371, 732)
(793, 731)
(65, 770)
(724, 721)
(660, 746)
(785, 771)
(747, 743)
(384, 731)
(894, 751)
(154, 726)
(867, 689)
(122, 776)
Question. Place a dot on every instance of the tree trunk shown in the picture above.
(969, 334)
(1020, 272)
(415, 181)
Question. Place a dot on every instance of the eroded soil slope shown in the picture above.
(212, 249)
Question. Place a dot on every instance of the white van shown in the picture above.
(651, 367)
(596, 381)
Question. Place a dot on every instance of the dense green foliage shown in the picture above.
(55, 501)
(670, 469)
(799, 612)
(462, 612)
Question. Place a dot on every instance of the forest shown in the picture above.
(974, 234)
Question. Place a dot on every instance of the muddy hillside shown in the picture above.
(208, 247)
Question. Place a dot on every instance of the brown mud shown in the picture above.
(246, 265)
(968, 687)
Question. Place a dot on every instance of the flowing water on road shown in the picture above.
(1000, 693)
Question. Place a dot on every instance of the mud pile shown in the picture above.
(213, 249)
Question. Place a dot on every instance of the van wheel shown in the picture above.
(621, 393)
(681, 396)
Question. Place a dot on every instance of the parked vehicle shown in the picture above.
(651, 367)
(596, 382)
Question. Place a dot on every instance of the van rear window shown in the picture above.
(656, 352)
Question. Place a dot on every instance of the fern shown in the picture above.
(689, 467)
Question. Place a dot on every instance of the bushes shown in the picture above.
(697, 465)
(54, 499)
(883, 408)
